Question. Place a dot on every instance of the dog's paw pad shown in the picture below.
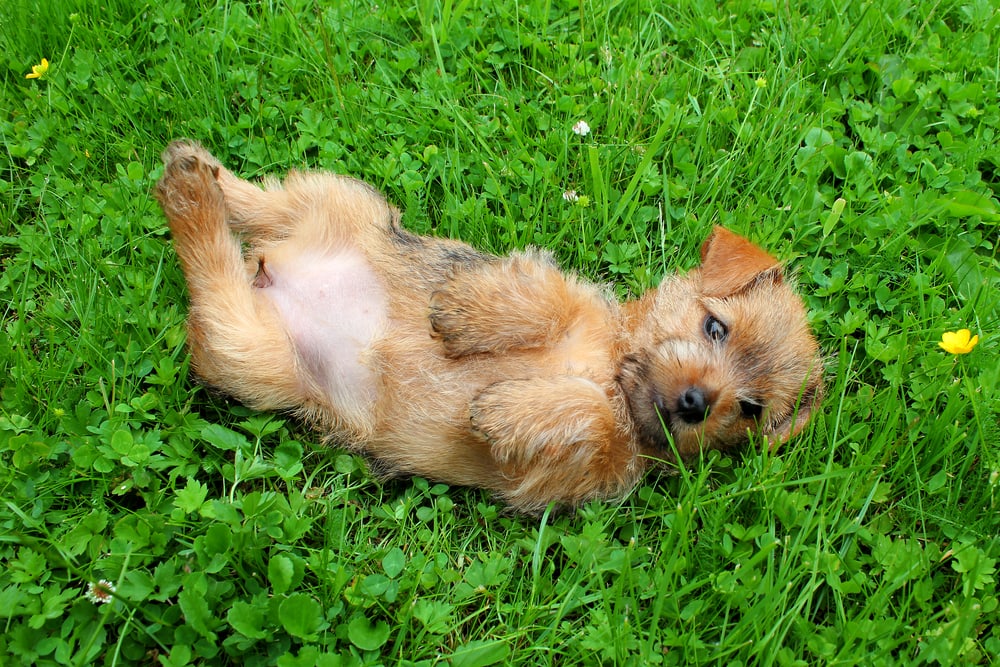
(186, 156)
(185, 163)
(189, 184)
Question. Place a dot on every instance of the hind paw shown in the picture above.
(188, 188)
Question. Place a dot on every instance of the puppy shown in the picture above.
(437, 360)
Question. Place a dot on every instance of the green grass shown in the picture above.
(857, 141)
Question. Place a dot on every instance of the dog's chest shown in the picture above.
(585, 350)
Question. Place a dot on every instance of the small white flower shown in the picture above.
(581, 128)
(570, 196)
(100, 593)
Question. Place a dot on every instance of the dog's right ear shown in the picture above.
(729, 263)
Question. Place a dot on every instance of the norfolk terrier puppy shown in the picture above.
(434, 359)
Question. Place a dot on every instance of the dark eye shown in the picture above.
(751, 410)
(715, 329)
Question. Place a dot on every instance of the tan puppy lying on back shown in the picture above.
(440, 361)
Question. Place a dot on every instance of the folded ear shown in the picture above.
(729, 263)
(809, 402)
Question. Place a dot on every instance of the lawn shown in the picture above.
(857, 141)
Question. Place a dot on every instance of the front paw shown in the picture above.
(555, 439)
(452, 318)
(517, 303)
(525, 421)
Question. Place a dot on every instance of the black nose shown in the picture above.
(692, 406)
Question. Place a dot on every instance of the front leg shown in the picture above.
(558, 439)
(519, 302)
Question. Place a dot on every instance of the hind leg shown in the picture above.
(312, 210)
(237, 340)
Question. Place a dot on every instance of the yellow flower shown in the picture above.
(958, 342)
(38, 71)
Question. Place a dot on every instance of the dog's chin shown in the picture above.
(667, 434)
(652, 425)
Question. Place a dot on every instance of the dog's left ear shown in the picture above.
(809, 403)
(729, 263)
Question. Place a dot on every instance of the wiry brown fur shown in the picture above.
(440, 361)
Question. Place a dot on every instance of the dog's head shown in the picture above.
(721, 352)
